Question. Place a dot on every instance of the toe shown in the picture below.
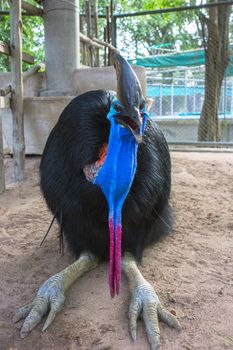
(150, 317)
(39, 309)
(134, 311)
(168, 318)
(22, 312)
(55, 308)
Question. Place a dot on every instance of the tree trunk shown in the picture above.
(217, 58)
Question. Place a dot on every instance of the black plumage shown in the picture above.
(75, 141)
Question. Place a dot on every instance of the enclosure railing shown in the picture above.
(179, 100)
(14, 50)
(177, 107)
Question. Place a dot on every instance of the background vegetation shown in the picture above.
(136, 35)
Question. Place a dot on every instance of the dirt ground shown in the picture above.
(192, 270)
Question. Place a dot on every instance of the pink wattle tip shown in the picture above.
(115, 258)
(111, 259)
(118, 257)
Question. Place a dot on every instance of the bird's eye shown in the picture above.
(142, 105)
(117, 108)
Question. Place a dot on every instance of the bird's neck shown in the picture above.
(116, 175)
(115, 179)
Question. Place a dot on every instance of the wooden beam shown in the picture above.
(28, 58)
(89, 31)
(108, 32)
(17, 90)
(2, 172)
(90, 42)
(31, 10)
(94, 18)
(104, 44)
(96, 43)
(5, 50)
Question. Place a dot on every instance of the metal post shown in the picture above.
(160, 100)
(172, 99)
(232, 99)
(194, 97)
(114, 42)
(185, 97)
(225, 97)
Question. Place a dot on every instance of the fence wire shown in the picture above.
(178, 102)
(189, 70)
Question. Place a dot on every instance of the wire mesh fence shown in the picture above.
(178, 103)
(189, 67)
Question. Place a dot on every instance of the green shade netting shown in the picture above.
(185, 59)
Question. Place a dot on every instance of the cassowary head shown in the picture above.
(131, 103)
(127, 117)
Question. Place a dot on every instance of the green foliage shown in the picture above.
(5, 37)
(33, 38)
(136, 35)
(144, 32)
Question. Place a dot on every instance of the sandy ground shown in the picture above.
(192, 270)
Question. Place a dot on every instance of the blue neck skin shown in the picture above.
(115, 179)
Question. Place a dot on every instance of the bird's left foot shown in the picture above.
(146, 302)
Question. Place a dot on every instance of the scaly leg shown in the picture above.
(144, 300)
(51, 295)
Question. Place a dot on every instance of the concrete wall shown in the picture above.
(186, 130)
(101, 78)
(83, 79)
(41, 113)
(32, 85)
(40, 116)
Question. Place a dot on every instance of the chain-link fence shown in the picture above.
(189, 69)
(178, 102)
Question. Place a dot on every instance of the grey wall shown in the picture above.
(82, 80)
(62, 52)
(41, 113)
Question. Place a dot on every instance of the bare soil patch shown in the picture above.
(192, 270)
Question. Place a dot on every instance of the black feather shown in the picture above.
(74, 142)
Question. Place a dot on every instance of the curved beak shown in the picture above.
(129, 93)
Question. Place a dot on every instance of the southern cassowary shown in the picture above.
(105, 175)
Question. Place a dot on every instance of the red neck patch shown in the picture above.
(91, 170)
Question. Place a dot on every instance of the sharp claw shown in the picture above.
(146, 300)
(168, 318)
(55, 308)
(23, 334)
(48, 322)
(133, 333)
(154, 347)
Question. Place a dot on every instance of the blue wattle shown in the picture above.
(115, 179)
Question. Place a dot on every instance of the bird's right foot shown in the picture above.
(50, 298)
(51, 295)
